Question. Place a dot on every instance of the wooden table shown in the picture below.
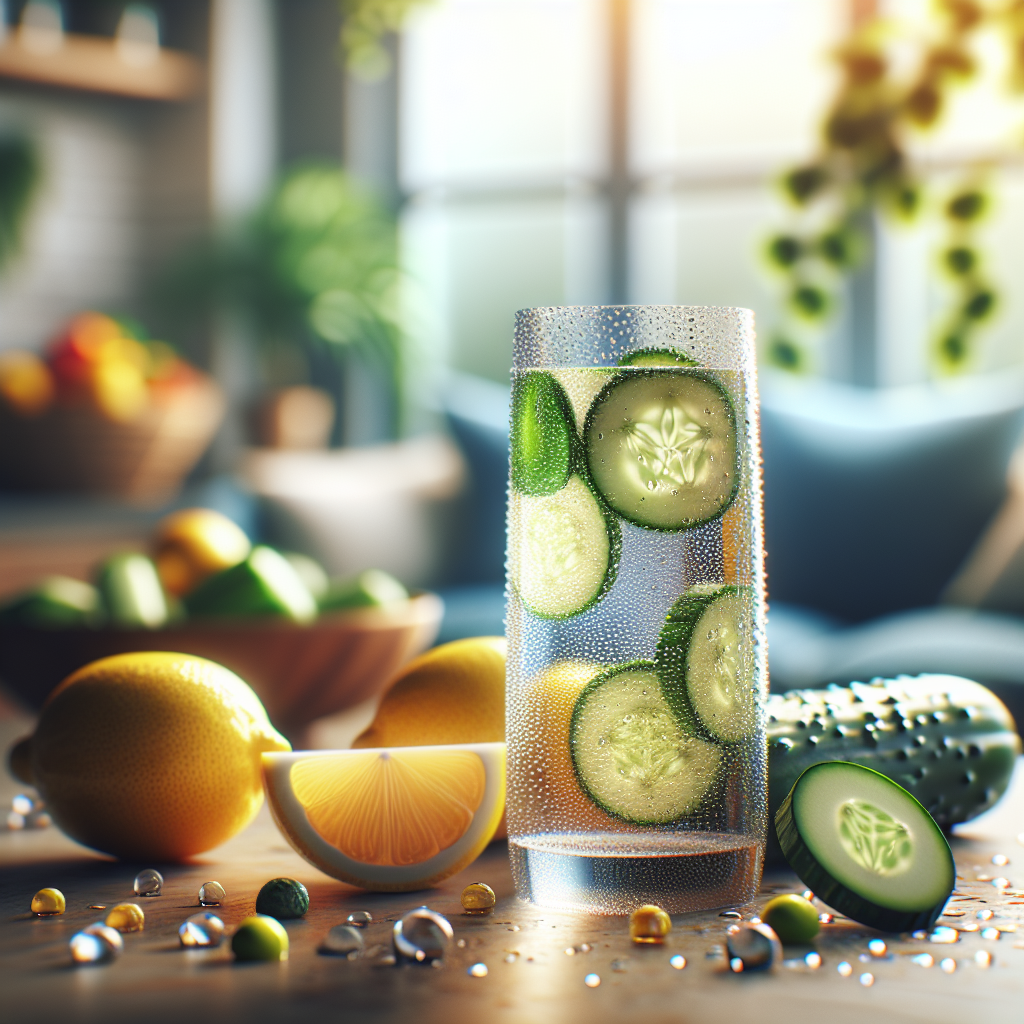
(530, 976)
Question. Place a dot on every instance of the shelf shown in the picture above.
(95, 64)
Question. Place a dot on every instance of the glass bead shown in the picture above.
(755, 945)
(478, 971)
(422, 935)
(201, 930)
(478, 898)
(343, 940)
(211, 894)
(359, 918)
(48, 903)
(649, 924)
(126, 917)
(148, 882)
(96, 944)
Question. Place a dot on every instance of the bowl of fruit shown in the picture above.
(105, 412)
(309, 646)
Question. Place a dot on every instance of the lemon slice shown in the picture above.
(389, 819)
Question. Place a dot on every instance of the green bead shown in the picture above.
(260, 938)
(793, 918)
(283, 898)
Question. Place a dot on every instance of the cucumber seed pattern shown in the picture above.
(671, 452)
(873, 838)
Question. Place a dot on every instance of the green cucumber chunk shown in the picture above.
(705, 657)
(56, 602)
(563, 550)
(543, 434)
(632, 755)
(661, 448)
(866, 847)
(132, 592)
(372, 588)
(656, 357)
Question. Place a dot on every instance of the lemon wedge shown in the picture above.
(388, 819)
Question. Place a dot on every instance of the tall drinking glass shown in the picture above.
(637, 669)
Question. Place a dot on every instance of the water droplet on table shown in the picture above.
(948, 965)
(983, 958)
(620, 966)
(845, 969)
(96, 944)
(48, 903)
(991, 934)
(756, 946)
(984, 915)
(478, 898)
(877, 947)
(592, 980)
(422, 935)
(203, 930)
(148, 882)
(211, 894)
(944, 934)
(678, 961)
(1000, 860)
(343, 940)
(867, 979)
(813, 960)
(478, 971)
(359, 918)
(126, 917)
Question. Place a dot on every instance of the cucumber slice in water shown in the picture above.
(632, 755)
(866, 847)
(543, 434)
(705, 657)
(563, 550)
(661, 448)
(656, 357)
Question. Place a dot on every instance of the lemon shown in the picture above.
(152, 755)
(390, 820)
(454, 693)
(194, 543)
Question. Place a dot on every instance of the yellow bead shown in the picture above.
(478, 898)
(126, 917)
(649, 924)
(47, 902)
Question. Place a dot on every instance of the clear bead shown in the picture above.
(148, 882)
(343, 940)
(359, 918)
(422, 935)
(203, 930)
(211, 894)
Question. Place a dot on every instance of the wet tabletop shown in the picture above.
(537, 960)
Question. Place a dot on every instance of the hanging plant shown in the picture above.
(862, 167)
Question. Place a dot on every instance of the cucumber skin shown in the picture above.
(670, 654)
(527, 476)
(836, 895)
(977, 736)
(644, 357)
(656, 371)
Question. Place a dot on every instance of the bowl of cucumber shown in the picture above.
(308, 645)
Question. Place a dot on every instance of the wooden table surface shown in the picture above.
(530, 976)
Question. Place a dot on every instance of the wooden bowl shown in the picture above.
(301, 673)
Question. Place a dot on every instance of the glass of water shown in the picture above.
(637, 668)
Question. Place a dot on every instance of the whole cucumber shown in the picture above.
(949, 741)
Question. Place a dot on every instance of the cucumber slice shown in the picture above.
(543, 434)
(661, 448)
(632, 755)
(656, 357)
(563, 550)
(866, 847)
(705, 657)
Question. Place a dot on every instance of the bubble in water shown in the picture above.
(359, 918)
(478, 898)
(756, 946)
(203, 930)
(422, 935)
(478, 971)
(126, 917)
(211, 894)
(844, 968)
(592, 980)
(48, 903)
(96, 944)
(343, 940)
(148, 882)
(678, 961)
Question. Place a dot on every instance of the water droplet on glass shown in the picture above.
(203, 930)
(359, 918)
(734, 914)
(421, 935)
(343, 940)
(678, 961)
(96, 944)
(813, 960)
(592, 980)
(756, 946)
(211, 894)
(947, 966)
(148, 882)
(845, 969)
(877, 947)
(923, 959)
(867, 979)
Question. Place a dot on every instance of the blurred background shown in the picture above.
(264, 256)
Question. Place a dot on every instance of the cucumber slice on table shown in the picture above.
(563, 550)
(543, 434)
(661, 448)
(656, 357)
(866, 847)
(632, 755)
(705, 657)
